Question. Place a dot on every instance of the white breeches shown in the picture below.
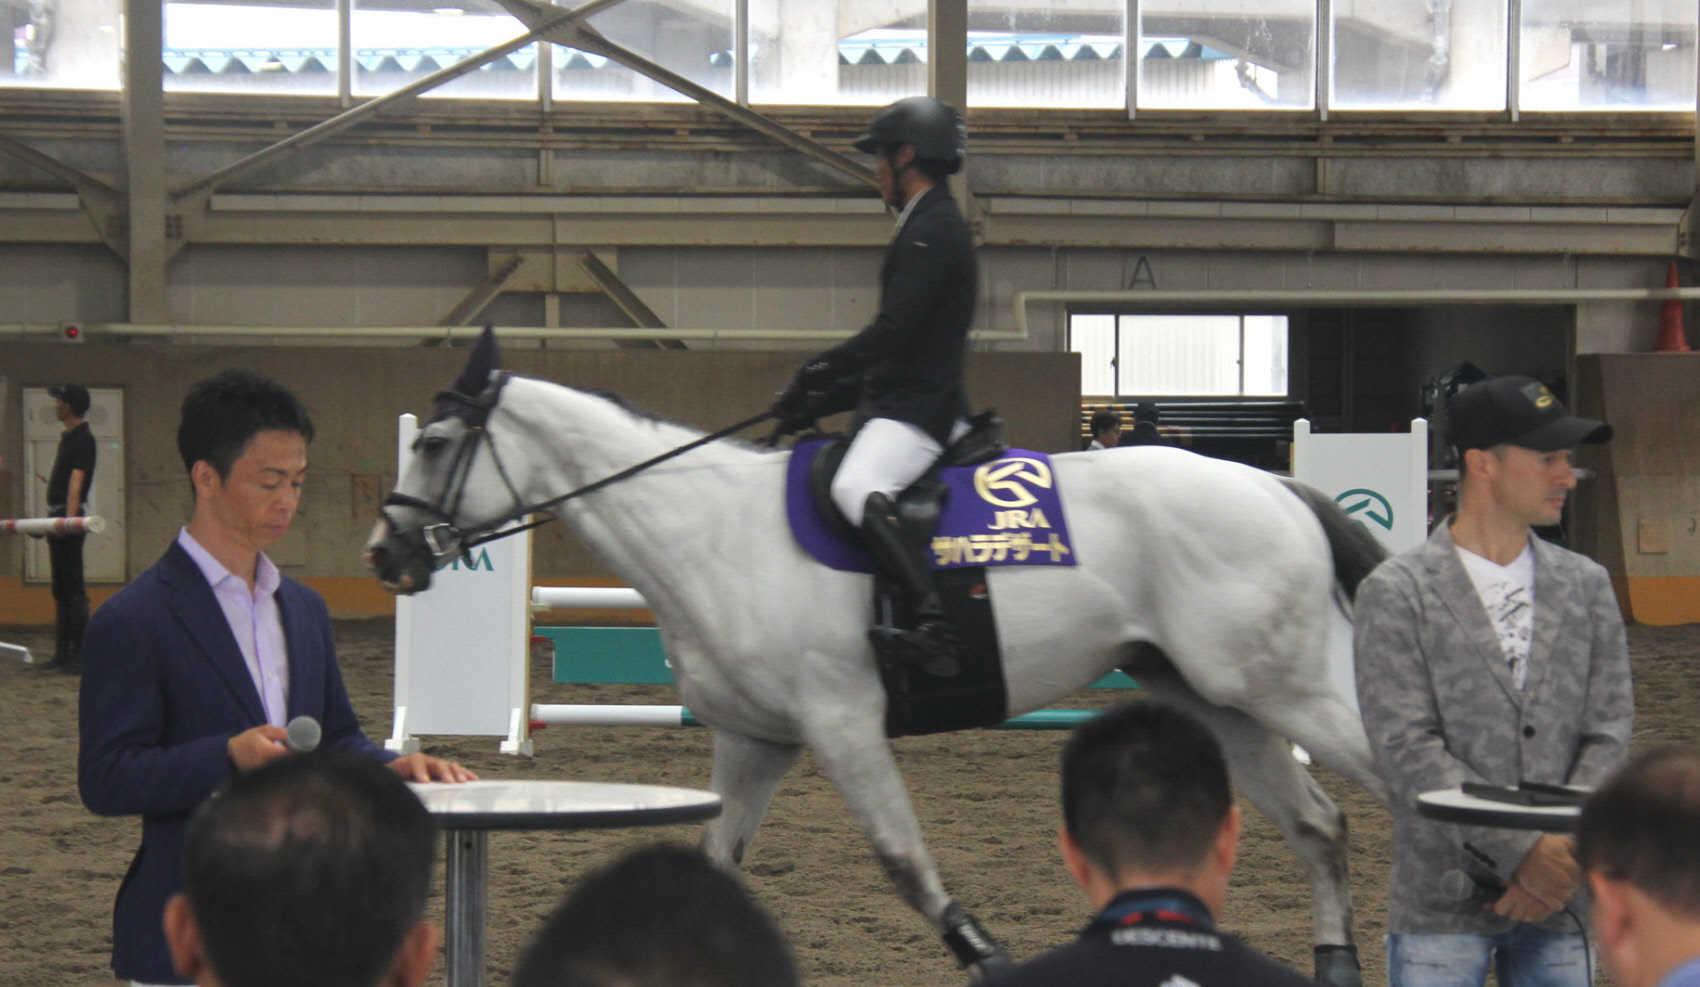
(886, 456)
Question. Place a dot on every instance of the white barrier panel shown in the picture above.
(92, 525)
(586, 598)
(1381, 480)
(461, 647)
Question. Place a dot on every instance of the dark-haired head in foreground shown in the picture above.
(1145, 800)
(1639, 843)
(1150, 832)
(662, 916)
(313, 869)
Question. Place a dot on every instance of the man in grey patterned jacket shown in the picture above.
(1490, 655)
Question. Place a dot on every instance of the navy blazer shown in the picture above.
(164, 687)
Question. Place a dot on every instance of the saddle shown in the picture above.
(918, 700)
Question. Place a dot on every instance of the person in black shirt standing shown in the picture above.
(903, 373)
(1150, 832)
(1145, 431)
(67, 496)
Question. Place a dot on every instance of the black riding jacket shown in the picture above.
(908, 363)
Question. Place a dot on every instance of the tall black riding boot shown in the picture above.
(77, 620)
(933, 642)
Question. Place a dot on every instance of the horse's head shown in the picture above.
(454, 488)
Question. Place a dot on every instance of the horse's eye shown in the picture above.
(431, 445)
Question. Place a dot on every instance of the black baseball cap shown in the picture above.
(1519, 411)
(75, 395)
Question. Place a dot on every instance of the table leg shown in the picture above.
(463, 912)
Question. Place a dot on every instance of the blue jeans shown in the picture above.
(1526, 956)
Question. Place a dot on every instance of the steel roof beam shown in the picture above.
(343, 121)
(577, 34)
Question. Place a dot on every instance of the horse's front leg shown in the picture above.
(746, 773)
(854, 754)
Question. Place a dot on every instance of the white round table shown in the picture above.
(1452, 805)
(468, 812)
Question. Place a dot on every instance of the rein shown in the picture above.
(612, 479)
(476, 413)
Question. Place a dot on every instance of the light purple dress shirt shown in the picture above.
(254, 621)
(1686, 975)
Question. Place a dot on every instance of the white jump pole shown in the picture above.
(586, 598)
(39, 526)
(93, 525)
(580, 715)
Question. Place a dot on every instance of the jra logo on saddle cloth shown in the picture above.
(997, 513)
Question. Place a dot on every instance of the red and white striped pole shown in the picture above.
(53, 525)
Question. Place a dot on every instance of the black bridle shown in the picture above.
(442, 536)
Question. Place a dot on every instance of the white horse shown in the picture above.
(1230, 571)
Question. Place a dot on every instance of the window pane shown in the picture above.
(1266, 356)
(215, 47)
(1623, 55)
(1043, 56)
(1180, 354)
(406, 40)
(1227, 54)
(1094, 338)
(1395, 54)
(833, 52)
(65, 44)
(691, 39)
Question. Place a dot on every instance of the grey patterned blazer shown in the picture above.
(1440, 708)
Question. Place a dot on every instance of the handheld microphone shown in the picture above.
(1461, 885)
(303, 734)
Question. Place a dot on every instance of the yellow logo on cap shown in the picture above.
(1538, 395)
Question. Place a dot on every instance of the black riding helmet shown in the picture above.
(935, 129)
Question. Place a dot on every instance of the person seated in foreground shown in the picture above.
(1639, 845)
(312, 869)
(1150, 833)
(661, 916)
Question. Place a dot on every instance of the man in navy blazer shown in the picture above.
(193, 669)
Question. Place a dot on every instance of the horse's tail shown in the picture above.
(1356, 552)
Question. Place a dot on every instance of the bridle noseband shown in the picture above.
(442, 536)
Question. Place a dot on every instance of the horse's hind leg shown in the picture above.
(1265, 772)
(746, 773)
(858, 760)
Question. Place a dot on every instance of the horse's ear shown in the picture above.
(480, 363)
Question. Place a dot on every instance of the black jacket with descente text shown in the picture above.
(1142, 940)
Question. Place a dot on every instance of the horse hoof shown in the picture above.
(973, 947)
(1337, 966)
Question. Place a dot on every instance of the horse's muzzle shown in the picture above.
(400, 560)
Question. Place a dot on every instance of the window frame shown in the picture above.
(1119, 314)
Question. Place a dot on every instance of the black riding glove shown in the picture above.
(817, 389)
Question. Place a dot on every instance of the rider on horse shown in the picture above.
(903, 373)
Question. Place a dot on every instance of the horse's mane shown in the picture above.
(642, 414)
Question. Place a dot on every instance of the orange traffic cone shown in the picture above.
(1672, 339)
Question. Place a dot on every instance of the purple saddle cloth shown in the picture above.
(1002, 512)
